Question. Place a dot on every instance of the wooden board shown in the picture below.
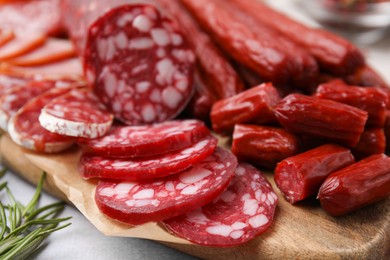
(302, 232)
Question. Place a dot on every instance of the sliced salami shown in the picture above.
(78, 114)
(20, 45)
(10, 81)
(5, 36)
(51, 51)
(140, 202)
(244, 211)
(14, 98)
(147, 167)
(135, 58)
(31, 16)
(25, 129)
(151, 140)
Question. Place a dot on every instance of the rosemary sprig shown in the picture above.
(23, 229)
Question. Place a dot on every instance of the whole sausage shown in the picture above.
(356, 186)
(333, 53)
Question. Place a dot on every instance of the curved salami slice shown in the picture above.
(10, 81)
(77, 113)
(140, 202)
(140, 141)
(14, 98)
(242, 212)
(25, 129)
(147, 167)
(136, 59)
(20, 45)
(53, 50)
(5, 36)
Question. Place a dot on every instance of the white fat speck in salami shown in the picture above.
(92, 166)
(235, 217)
(151, 140)
(118, 41)
(142, 202)
(25, 130)
(78, 114)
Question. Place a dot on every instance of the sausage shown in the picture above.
(146, 168)
(222, 79)
(20, 45)
(299, 177)
(144, 141)
(333, 53)
(254, 51)
(356, 186)
(254, 105)
(244, 211)
(263, 146)
(51, 51)
(31, 17)
(366, 76)
(136, 59)
(386, 130)
(321, 118)
(26, 131)
(372, 141)
(77, 113)
(136, 203)
(370, 99)
(12, 99)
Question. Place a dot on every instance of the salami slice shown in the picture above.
(25, 129)
(140, 202)
(14, 98)
(151, 140)
(244, 211)
(20, 45)
(135, 58)
(53, 50)
(31, 16)
(147, 167)
(10, 81)
(5, 36)
(77, 113)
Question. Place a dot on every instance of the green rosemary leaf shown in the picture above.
(3, 171)
(34, 201)
(3, 219)
(6, 245)
(55, 208)
(21, 245)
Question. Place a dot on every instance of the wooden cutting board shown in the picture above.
(304, 231)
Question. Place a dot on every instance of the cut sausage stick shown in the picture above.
(26, 131)
(150, 140)
(334, 54)
(146, 168)
(64, 69)
(77, 113)
(52, 50)
(263, 146)
(245, 210)
(370, 99)
(254, 105)
(31, 17)
(136, 203)
(223, 80)
(300, 176)
(356, 186)
(6, 36)
(135, 58)
(254, 51)
(20, 45)
(321, 118)
(12, 99)
(372, 141)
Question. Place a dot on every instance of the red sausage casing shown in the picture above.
(356, 186)
(262, 145)
(300, 176)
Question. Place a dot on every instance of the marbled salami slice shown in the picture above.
(5, 36)
(14, 98)
(150, 140)
(244, 211)
(135, 58)
(92, 166)
(25, 129)
(77, 113)
(136, 203)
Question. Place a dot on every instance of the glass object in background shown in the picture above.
(361, 21)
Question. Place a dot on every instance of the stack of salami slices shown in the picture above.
(174, 172)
